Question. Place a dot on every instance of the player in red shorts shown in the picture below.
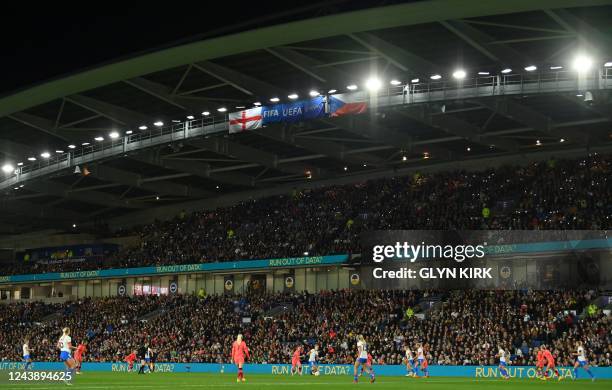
(239, 352)
(296, 363)
(539, 363)
(129, 359)
(550, 362)
(79, 354)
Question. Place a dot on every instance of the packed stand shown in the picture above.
(564, 194)
(466, 328)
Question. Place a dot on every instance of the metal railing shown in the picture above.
(413, 93)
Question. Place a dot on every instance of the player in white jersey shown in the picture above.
(409, 361)
(581, 361)
(421, 361)
(312, 360)
(65, 346)
(27, 356)
(362, 360)
(503, 364)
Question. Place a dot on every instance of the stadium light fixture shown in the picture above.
(99, 139)
(531, 68)
(395, 82)
(351, 87)
(7, 168)
(414, 81)
(293, 96)
(45, 155)
(85, 144)
(314, 93)
(345, 169)
(190, 117)
(217, 187)
(483, 73)
(305, 253)
(435, 77)
(21, 185)
(562, 140)
(240, 107)
(332, 91)
(373, 84)
(16, 188)
(31, 158)
(206, 113)
(506, 71)
(538, 142)
(19, 164)
(459, 74)
(468, 149)
(158, 123)
(175, 121)
(404, 158)
(59, 151)
(129, 132)
(71, 146)
(143, 127)
(556, 67)
(74, 225)
(582, 63)
(114, 135)
(222, 109)
(608, 64)
(425, 155)
(365, 165)
(257, 104)
(157, 197)
(274, 99)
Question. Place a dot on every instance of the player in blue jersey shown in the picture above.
(581, 361)
(362, 360)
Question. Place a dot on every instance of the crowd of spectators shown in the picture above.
(464, 328)
(555, 194)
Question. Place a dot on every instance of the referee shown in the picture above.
(142, 353)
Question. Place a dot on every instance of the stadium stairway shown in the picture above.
(153, 314)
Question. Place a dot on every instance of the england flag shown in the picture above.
(245, 120)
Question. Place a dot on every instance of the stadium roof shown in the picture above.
(403, 42)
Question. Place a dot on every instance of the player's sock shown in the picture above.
(141, 369)
(416, 371)
(28, 365)
(240, 373)
(575, 372)
(590, 373)
(356, 378)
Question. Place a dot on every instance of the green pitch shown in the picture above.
(132, 381)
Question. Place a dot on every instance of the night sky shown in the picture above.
(39, 45)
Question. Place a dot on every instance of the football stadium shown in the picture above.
(394, 194)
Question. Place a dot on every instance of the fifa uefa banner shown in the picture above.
(484, 372)
(258, 117)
